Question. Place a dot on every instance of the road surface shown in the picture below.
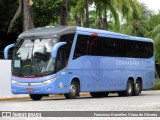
(147, 101)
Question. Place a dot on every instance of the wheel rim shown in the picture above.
(129, 88)
(73, 89)
(137, 87)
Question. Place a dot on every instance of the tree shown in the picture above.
(8, 8)
(64, 13)
(87, 13)
(154, 20)
(138, 25)
(15, 16)
(78, 11)
(99, 12)
(110, 10)
(155, 34)
(27, 17)
(46, 12)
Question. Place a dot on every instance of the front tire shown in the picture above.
(35, 97)
(73, 91)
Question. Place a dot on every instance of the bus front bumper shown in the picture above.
(37, 88)
(45, 89)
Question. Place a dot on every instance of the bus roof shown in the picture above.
(114, 34)
(48, 31)
(51, 31)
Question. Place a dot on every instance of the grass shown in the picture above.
(156, 86)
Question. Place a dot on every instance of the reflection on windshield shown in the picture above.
(33, 57)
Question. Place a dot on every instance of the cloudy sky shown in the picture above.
(152, 4)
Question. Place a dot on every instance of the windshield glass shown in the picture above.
(32, 57)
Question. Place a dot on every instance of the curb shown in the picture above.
(51, 96)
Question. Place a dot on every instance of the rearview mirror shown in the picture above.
(56, 47)
(6, 50)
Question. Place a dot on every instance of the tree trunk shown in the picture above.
(78, 21)
(82, 20)
(15, 16)
(105, 16)
(64, 13)
(99, 18)
(27, 17)
(87, 14)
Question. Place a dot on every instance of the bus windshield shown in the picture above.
(32, 57)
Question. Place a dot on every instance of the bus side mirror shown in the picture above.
(6, 50)
(56, 47)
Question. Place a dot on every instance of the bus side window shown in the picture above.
(81, 48)
(64, 51)
(95, 46)
(61, 60)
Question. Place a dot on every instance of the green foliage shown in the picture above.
(156, 86)
(138, 25)
(157, 42)
(46, 12)
(154, 21)
(154, 33)
(130, 9)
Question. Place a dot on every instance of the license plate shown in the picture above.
(29, 90)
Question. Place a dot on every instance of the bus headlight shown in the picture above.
(51, 80)
(13, 81)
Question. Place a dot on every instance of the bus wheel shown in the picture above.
(137, 88)
(99, 94)
(35, 96)
(128, 91)
(73, 91)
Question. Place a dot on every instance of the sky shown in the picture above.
(152, 4)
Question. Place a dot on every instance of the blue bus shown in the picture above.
(69, 60)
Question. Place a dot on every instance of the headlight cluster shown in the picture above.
(50, 80)
(14, 82)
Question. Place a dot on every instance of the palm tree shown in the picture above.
(106, 10)
(81, 12)
(87, 13)
(138, 25)
(156, 34)
(112, 9)
(99, 12)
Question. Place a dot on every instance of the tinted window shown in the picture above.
(139, 49)
(114, 47)
(95, 46)
(64, 51)
(81, 48)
